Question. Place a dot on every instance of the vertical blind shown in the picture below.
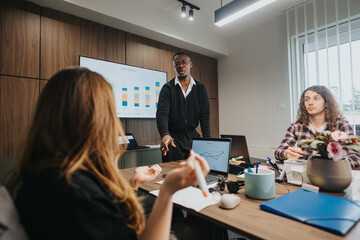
(324, 49)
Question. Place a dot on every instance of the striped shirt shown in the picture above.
(297, 132)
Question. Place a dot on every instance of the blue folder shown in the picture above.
(333, 214)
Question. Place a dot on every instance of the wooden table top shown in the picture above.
(248, 220)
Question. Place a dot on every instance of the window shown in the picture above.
(326, 53)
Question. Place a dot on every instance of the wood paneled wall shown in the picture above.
(37, 42)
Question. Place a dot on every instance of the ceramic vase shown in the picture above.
(329, 175)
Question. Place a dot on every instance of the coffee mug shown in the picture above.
(260, 185)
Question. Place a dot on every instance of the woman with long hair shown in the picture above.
(318, 111)
(66, 183)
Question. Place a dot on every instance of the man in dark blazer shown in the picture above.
(183, 104)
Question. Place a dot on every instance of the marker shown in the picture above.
(163, 148)
(257, 167)
(237, 158)
(249, 170)
(199, 175)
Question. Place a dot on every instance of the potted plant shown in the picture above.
(328, 167)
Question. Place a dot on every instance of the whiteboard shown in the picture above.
(136, 89)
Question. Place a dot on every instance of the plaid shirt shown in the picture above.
(297, 132)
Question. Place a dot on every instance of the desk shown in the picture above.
(248, 220)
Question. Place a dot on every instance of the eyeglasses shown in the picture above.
(183, 63)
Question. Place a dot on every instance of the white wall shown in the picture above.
(253, 82)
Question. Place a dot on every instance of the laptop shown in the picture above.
(239, 148)
(216, 151)
(131, 142)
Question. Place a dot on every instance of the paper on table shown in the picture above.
(160, 182)
(192, 198)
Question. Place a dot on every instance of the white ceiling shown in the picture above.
(160, 20)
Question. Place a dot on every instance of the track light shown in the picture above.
(237, 9)
(191, 15)
(191, 11)
(183, 11)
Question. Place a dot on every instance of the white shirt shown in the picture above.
(191, 84)
(319, 130)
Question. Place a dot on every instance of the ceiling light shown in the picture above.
(191, 15)
(183, 11)
(237, 9)
(191, 11)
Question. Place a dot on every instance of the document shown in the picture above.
(193, 198)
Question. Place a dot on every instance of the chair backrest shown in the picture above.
(10, 225)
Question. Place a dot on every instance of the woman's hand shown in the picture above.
(144, 174)
(184, 176)
(293, 153)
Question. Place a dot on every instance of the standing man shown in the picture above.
(183, 103)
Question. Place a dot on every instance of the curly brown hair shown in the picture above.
(332, 111)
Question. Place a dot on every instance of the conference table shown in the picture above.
(248, 220)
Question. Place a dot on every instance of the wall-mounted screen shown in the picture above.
(136, 89)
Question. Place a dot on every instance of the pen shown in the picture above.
(257, 167)
(274, 164)
(199, 175)
(163, 148)
(249, 170)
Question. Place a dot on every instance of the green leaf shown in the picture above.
(315, 143)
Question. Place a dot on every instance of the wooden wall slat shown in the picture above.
(214, 119)
(18, 97)
(19, 38)
(147, 53)
(60, 41)
(68, 37)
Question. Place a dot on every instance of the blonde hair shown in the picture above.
(332, 112)
(75, 127)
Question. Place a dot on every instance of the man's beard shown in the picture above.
(182, 77)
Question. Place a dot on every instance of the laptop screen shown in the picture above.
(129, 139)
(238, 147)
(216, 152)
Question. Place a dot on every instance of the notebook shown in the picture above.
(216, 152)
(239, 148)
(131, 142)
(333, 214)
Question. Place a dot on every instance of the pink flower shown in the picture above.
(337, 135)
(335, 150)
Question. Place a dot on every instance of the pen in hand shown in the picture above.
(199, 175)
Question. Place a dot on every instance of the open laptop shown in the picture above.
(216, 152)
(131, 142)
(239, 148)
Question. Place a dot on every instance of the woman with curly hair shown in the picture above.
(66, 183)
(318, 111)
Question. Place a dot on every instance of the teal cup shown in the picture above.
(260, 185)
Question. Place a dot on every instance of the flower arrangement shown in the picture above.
(330, 145)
